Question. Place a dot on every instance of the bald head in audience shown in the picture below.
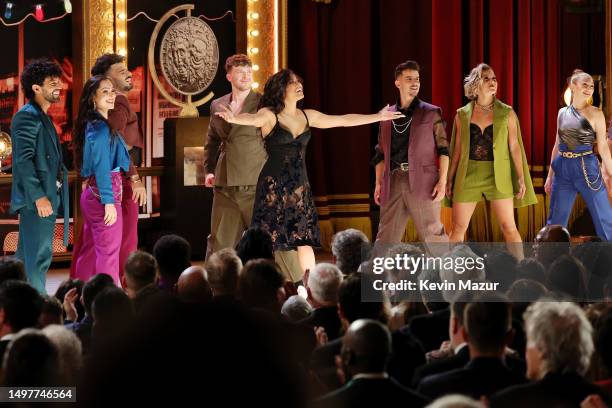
(365, 348)
(193, 286)
(551, 242)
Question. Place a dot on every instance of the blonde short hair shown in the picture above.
(473, 80)
(579, 75)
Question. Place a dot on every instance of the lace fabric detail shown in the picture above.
(284, 204)
(481, 143)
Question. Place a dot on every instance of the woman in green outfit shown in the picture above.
(487, 158)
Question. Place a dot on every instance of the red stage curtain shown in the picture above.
(346, 52)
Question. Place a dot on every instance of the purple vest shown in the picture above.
(422, 153)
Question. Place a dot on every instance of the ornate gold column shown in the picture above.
(261, 33)
(102, 25)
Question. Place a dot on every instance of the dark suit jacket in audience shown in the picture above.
(407, 354)
(326, 317)
(83, 331)
(459, 360)
(481, 376)
(554, 390)
(145, 295)
(431, 329)
(372, 392)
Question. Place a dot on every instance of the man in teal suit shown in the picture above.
(40, 179)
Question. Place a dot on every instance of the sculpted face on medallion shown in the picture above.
(189, 55)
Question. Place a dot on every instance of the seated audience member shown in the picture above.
(456, 401)
(92, 288)
(566, 277)
(296, 308)
(532, 269)
(20, 306)
(407, 353)
(487, 329)
(61, 291)
(193, 286)
(366, 348)
(173, 256)
(11, 268)
(138, 280)
(453, 354)
(31, 360)
(347, 247)
(521, 294)
(432, 329)
(70, 352)
(500, 267)
(113, 314)
(526, 291)
(603, 346)
(261, 288)
(323, 285)
(551, 242)
(255, 244)
(223, 268)
(406, 305)
(398, 273)
(193, 349)
(51, 312)
(596, 258)
(559, 350)
(261, 285)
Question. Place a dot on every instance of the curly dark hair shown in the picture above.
(274, 91)
(36, 72)
(104, 62)
(87, 113)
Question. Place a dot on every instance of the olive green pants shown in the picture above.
(232, 211)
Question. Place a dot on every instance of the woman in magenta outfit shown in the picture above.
(101, 156)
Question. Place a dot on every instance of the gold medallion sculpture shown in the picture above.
(189, 58)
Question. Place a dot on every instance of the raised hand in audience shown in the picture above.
(593, 401)
(321, 336)
(69, 304)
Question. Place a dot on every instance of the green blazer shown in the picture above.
(503, 166)
(37, 162)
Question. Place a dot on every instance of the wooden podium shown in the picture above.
(185, 203)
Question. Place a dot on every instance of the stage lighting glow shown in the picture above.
(39, 14)
(8, 11)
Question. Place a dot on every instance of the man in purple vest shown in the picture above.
(411, 163)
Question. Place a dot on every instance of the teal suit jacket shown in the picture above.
(37, 162)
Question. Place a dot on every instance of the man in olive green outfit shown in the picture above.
(233, 158)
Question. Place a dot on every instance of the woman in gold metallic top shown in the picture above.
(574, 168)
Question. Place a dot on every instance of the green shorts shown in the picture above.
(479, 181)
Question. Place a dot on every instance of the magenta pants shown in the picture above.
(100, 244)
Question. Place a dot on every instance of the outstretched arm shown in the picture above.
(323, 121)
(264, 118)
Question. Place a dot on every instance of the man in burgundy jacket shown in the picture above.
(124, 120)
(411, 163)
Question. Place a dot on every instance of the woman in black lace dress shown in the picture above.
(284, 204)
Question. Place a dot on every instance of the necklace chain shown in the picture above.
(398, 127)
(487, 108)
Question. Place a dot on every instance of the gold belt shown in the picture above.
(572, 155)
